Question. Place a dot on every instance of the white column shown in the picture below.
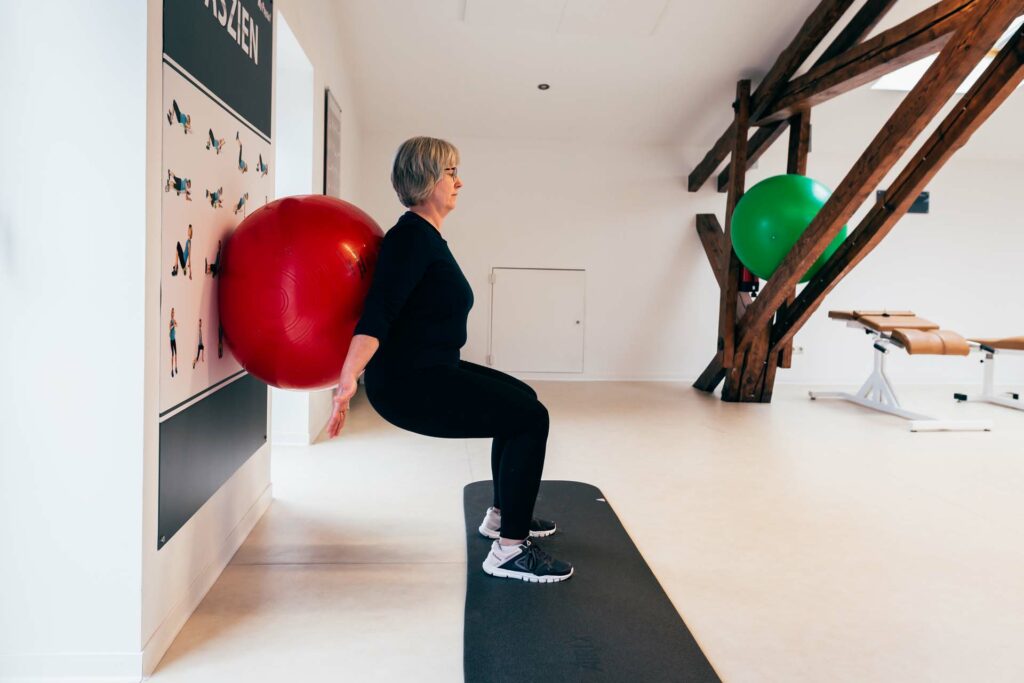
(72, 281)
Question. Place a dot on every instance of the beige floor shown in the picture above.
(800, 541)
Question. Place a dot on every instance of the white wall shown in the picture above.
(621, 212)
(72, 260)
(317, 26)
(177, 577)
(294, 104)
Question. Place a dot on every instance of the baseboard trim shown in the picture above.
(290, 439)
(72, 667)
(165, 634)
(576, 377)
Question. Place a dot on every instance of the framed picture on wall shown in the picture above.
(332, 145)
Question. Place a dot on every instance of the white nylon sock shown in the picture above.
(504, 552)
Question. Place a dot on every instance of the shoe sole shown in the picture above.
(494, 535)
(529, 578)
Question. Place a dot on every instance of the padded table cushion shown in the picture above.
(1005, 343)
(917, 335)
(889, 323)
(854, 315)
(931, 342)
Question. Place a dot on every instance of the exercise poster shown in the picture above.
(217, 167)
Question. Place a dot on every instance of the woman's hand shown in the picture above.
(359, 353)
(346, 390)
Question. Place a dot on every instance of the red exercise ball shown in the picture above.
(293, 279)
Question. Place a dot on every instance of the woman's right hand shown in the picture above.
(346, 390)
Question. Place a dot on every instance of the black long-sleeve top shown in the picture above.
(419, 299)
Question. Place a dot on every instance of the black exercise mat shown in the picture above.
(610, 622)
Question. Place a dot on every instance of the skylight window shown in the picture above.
(906, 78)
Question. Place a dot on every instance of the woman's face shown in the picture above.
(446, 191)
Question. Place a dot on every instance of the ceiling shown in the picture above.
(647, 71)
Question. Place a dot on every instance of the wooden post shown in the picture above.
(799, 142)
(731, 270)
(799, 147)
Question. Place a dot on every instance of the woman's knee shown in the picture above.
(538, 416)
(524, 417)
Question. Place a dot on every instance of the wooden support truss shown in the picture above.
(1000, 79)
(755, 337)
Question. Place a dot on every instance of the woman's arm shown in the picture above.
(402, 261)
(360, 351)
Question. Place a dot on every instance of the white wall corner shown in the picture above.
(161, 640)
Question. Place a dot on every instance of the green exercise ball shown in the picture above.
(770, 217)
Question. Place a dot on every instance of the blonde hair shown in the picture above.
(419, 164)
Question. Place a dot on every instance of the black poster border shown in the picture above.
(228, 47)
(328, 100)
(205, 439)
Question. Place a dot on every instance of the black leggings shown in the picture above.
(469, 401)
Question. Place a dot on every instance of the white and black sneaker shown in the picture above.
(526, 562)
(491, 526)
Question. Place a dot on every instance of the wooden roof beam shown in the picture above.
(759, 143)
(862, 23)
(713, 238)
(920, 36)
(813, 31)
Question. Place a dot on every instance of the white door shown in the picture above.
(537, 319)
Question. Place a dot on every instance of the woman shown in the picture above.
(242, 166)
(174, 345)
(201, 350)
(174, 115)
(179, 185)
(212, 269)
(184, 256)
(408, 340)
